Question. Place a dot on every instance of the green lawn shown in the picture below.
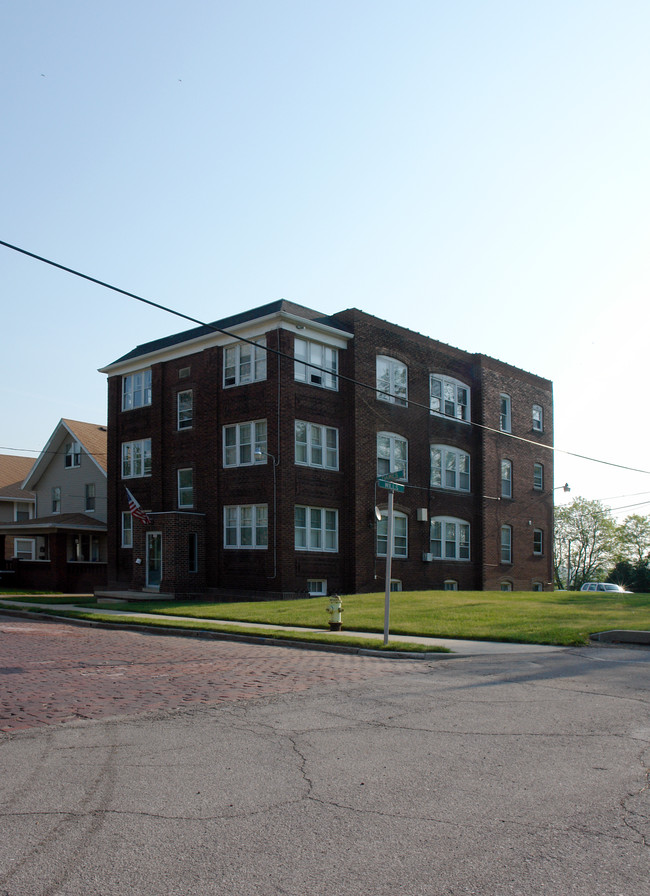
(561, 617)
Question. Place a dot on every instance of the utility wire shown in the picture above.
(216, 329)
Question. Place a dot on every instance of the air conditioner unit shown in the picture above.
(427, 558)
(423, 514)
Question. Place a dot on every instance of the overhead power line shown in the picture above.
(278, 353)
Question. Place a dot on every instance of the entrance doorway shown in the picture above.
(154, 559)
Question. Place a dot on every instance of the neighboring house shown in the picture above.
(16, 504)
(62, 546)
(257, 461)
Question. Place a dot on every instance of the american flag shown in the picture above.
(136, 511)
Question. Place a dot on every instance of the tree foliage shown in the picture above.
(585, 542)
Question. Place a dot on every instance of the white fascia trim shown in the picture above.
(252, 329)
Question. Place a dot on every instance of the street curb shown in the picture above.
(233, 636)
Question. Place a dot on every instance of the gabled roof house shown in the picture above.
(61, 546)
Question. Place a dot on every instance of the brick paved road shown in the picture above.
(53, 672)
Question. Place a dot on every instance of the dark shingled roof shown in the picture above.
(226, 323)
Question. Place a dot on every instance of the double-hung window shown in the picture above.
(56, 499)
(538, 542)
(316, 445)
(449, 468)
(184, 409)
(449, 397)
(506, 478)
(185, 488)
(136, 459)
(400, 535)
(316, 529)
(315, 363)
(392, 380)
(538, 418)
(505, 413)
(136, 390)
(246, 526)
(244, 444)
(127, 529)
(538, 477)
(72, 454)
(506, 544)
(90, 497)
(244, 362)
(392, 454)
(449, 538)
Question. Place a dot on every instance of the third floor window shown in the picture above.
(315, 363)
(244, 362)
(136, 390)
(392, 380)
(449, 397)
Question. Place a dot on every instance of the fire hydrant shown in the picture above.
(335, 608)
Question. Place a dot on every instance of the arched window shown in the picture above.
(506, 478)
(449, 538)
(449, 468)
(449, 397)
(392, 454)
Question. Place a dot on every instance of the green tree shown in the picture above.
(585, 542)
(633, 539)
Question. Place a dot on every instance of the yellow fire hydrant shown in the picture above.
(335, 609)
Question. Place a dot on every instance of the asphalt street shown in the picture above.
(176, 767)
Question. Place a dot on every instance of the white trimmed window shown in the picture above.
(186, 488)
(317, 587)
(392, 454)
(22, 511)
(56, 499)
(184, 409)
(316, 529)
(449, 397)
(538, 476)
(400, 535)
(72, 455)
(450, 585)
(506, 544)
(538, 418)
(506, 586)
(136, 390)
(127, 529)
(136, 459)
(506, 478)
(315, 363)
(244, 362)
(25, 548)
(246, 526)
(392, 380)
(538, 542)
(538, 586)
(449, 468)
(449, 538)
(505, 413)
(244, 444)
(316, 445)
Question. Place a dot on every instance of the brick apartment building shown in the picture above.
(255, 445)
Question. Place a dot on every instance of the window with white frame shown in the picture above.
(538, 586)
(56, 499)
(505, 413)
(316, 529)
(400, 535)
(136, 390)
(538, 542)
(538, 418)
(24, 549)
(506, 586)
(89, 497)
(244, 444)
(72, 455)
(315, 363)
(392, 454)
(538, 476)
(506, 544)
(246, 526)
(449, 397)
(22, 511)
(506, 478)
(449, 468)
(316, 445)
(127, 529)
(184, 409)
(317, 587)
(450, 585)
(392, 380)
(136, 459)
(395, 585)
(244, 362)
(185, 488)
(449, 538)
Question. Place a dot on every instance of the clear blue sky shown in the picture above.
(476, 171)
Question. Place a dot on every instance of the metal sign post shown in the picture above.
(391, 483)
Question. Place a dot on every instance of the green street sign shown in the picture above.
(390, 485)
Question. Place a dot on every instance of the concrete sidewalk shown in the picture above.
(457, 647)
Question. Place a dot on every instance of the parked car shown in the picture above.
(604, 586)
